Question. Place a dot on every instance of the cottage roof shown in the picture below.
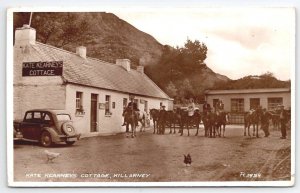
(97, 73)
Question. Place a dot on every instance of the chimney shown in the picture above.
(81, 51)
(25, 36)
(125, 63)
(140, 69)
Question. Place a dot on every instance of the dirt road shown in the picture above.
(158, 158)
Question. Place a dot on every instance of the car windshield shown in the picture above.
(63, 117)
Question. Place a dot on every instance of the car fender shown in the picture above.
(54, 135)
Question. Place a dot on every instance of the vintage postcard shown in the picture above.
(136, 96)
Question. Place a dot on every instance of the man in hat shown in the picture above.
(162, 119)
(283, 120)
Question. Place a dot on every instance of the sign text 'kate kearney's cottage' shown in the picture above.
(94, 92)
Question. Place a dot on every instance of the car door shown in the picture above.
(31, 126)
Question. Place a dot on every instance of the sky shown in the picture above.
(240, 41)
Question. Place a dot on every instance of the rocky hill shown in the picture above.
(108, 38)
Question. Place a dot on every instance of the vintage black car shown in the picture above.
(47, 127)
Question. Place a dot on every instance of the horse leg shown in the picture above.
(224, 130)
(188, 128)
(197, 129)
(181, 129)
(257, 131)
(245, 128)
(249, 125)
(132, 129)
(174, 124)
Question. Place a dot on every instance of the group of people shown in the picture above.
(218, 107)
(266, 116)
(132, 107)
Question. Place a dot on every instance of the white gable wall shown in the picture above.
(107, 124)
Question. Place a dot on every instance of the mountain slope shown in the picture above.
(108, 38)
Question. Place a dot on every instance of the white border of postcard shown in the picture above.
(9, 111)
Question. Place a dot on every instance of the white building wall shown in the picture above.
(34, 92)
(226, 98)
(106, 124)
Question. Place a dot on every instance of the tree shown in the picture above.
(61, 29)
(187, 89)
(194, 52)
(171, 89)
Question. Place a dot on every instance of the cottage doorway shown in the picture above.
(94, 112)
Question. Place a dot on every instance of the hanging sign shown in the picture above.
(52, 68)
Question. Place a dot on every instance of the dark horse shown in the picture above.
(221, 121)
(210, 124)
(154, 115)
(188, 121)
(252, 119)
(174, 118)
(131, 119)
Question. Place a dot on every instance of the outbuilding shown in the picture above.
(93, 91)
(239, 101)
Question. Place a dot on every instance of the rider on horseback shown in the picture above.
(132, 108)
(219, 107)
(191, 107)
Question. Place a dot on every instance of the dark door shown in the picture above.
(94, 121)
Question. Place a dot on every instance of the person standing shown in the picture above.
(219, 107)
(162, 120)
(206, 108)
(283, 121)
(265, 117)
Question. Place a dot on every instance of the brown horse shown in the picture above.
(154, 115)
(252, 119)
(221, 121)
(131, 119)
(210, 124)
(188, 121)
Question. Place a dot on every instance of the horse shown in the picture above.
(221, 121)
(131, 119)
(210, 124)
(188, 121)
(154, 114)
(252, 119)
(142, 119)
(171, 120)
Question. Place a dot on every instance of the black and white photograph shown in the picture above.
(151, 97)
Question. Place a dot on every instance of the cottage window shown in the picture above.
(107, 105)
(125, 101)
(274, 102)
(237, 105)
(254, 103)
(79, 107)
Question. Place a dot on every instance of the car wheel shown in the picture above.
(68, 129)
(46, 139)
(70, 142)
